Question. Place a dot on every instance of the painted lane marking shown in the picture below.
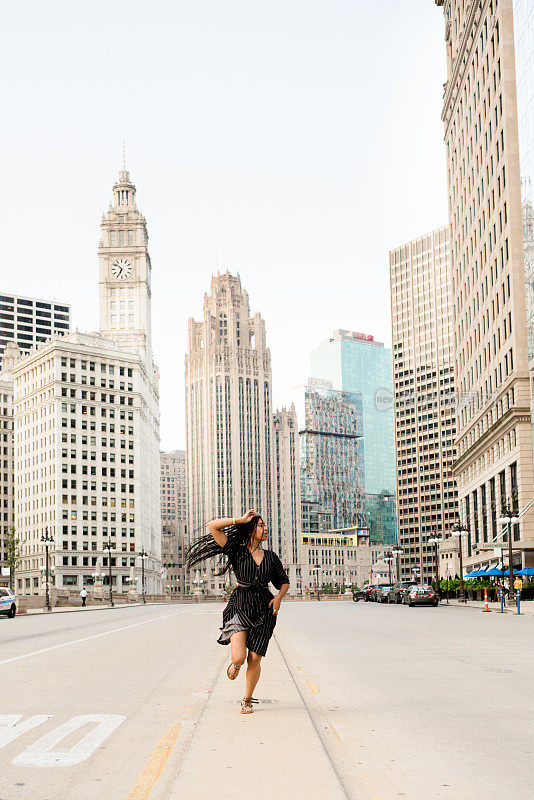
(9, 730)
(85, 639)
(157, 760)
(43, 754)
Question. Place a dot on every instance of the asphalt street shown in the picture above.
(358, 701)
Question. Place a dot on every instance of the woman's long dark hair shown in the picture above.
(206, 547)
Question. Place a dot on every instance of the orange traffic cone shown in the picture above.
(486, 606)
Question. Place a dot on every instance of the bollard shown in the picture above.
(487, 609)
(502, 600)
(518, 593)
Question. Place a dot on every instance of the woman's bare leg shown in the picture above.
(253, 672)
(238, 647)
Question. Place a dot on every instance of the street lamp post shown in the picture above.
(398, 552)
(143, 555)
(388, 560)
(316, 570)
(435, 540)
(459, 530)
(109, 546)
(47, 541)
(509, 517)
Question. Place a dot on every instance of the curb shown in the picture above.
(497, 610)
(59, 610)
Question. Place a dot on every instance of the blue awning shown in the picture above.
(494, 572)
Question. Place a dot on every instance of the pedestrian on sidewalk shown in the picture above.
(250, 614)
(83, 595)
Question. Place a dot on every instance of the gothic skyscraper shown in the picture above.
(228, 409)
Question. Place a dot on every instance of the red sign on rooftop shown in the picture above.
(364, 336)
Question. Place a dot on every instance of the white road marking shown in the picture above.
(9, 730)
(85, 639)
(42, 753)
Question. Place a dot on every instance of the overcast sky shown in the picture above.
(293, 141)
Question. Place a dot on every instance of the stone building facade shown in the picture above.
(340, 557)
(286, 535)
(7, 494)
(86, 410)
(424, 396)
(239, 454)
(494, 447)
(173, 486)
(229, 425)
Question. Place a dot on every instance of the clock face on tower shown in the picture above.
(121, 269)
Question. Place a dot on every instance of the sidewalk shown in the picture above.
(274, 752)
(527, 606)
(68, 609)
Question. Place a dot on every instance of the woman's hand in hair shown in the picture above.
(246, 518)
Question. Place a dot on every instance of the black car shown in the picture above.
(375, 592)
(362, 594)
(399, 591)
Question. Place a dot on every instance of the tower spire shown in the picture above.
(124, 155)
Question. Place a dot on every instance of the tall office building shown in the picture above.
(229, 422)
(87, 430)
(523, 11)
(287, 533)
(425, 409)
(356, 363)
(29, 321)
(331, 466)
(173, 519)
(7, 498)
(480, 115)
(173, 487)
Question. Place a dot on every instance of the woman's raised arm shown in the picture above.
(217, 526)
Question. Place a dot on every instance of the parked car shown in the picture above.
(399, 591)
(383, 594)
(375, 590)
(8, 602)
(422, 596)
(363, 594)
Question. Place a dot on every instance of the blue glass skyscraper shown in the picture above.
(355, 362)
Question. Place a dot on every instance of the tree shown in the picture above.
(12, 554)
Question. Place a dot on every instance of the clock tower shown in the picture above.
(125, 294)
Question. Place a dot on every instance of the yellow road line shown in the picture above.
(156, 762)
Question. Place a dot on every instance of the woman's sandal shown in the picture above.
(235, 671)
(246, 705)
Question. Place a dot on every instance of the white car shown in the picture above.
(8, 602)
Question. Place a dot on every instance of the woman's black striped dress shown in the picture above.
(248, 606)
